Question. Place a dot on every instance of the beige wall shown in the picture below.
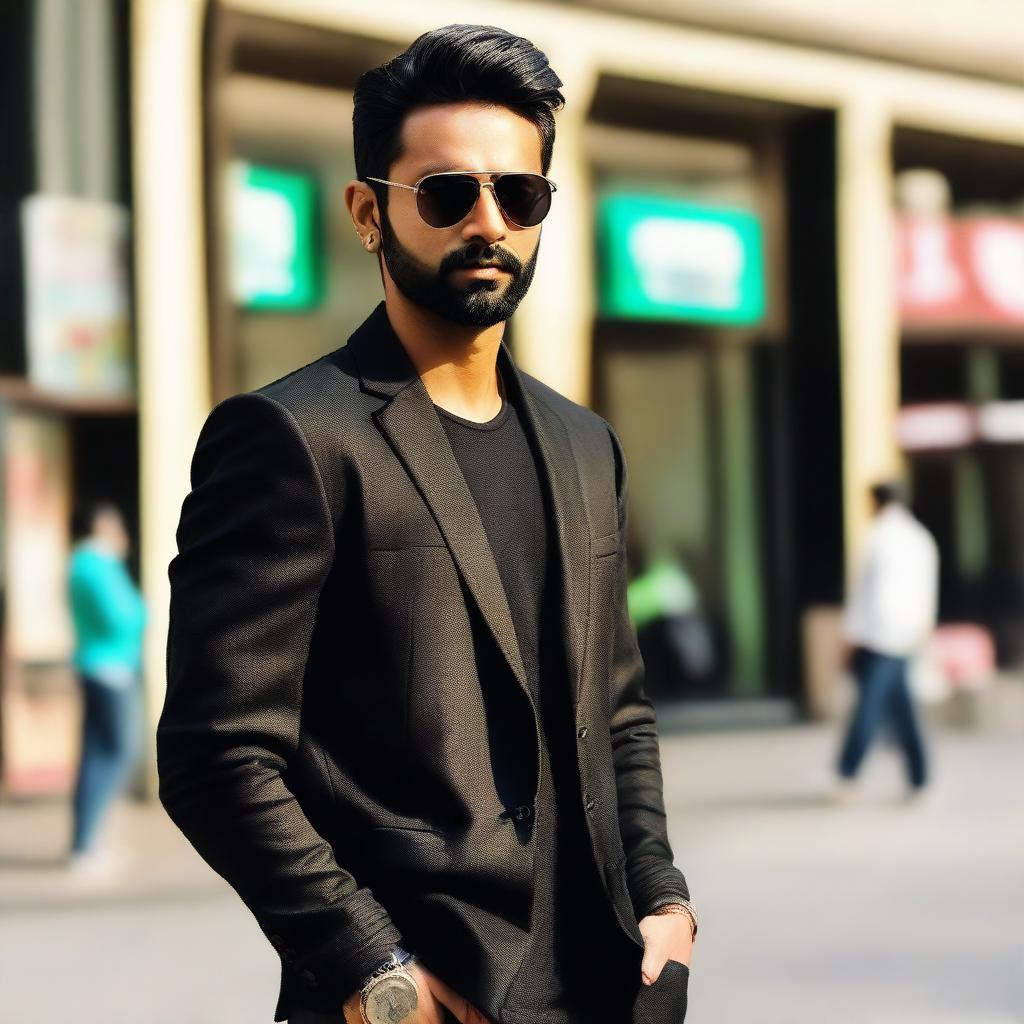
(274, 121)
(868, 95)
(977, 37)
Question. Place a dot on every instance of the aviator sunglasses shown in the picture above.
(445, 197)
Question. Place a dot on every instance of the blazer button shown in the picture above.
(591, 802)
(522, 812)
(582, 731)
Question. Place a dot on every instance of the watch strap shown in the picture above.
(398, 957)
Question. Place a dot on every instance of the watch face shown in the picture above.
(391, 999)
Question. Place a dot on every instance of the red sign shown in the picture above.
(967, 272)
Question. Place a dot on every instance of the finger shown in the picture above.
(442, 994)
(430, 1008)
(651, 965)
(441, 991)
(461, 1008)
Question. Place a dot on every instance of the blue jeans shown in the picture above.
(111, 739)
(884, 696)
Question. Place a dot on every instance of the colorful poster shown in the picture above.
(76, 295)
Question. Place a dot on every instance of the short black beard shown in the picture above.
(478, 303)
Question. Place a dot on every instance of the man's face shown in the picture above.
(430, 265)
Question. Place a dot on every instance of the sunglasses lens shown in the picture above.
(444, 199)
(525, 198)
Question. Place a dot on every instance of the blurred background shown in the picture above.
(786, 260)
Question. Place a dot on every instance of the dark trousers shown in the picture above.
(664, 1002)
(111, 737)
(884, 696)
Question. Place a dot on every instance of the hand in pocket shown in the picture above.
(441, 998)
(436, 1003)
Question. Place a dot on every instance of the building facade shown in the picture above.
(759, 388)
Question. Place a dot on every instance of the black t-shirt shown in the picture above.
(574, 937)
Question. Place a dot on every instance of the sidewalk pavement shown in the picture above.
(811, 913)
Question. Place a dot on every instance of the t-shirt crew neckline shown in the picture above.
(492, 424)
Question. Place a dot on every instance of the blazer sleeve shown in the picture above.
(652, 877)
(255, 545)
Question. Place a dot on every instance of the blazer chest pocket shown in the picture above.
(608, 544)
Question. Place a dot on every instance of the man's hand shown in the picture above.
(666, 937)
(433, 997)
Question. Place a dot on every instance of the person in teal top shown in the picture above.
(109, 617)
(107, 609)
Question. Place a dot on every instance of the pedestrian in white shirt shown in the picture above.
(890, 614)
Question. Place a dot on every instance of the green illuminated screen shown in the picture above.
(669, 259)
(275, 243)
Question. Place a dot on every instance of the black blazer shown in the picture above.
(323, 742)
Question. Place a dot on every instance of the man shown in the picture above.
(405, 709)
(891, 612)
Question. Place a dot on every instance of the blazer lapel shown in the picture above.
(571, 535)
(412, 427)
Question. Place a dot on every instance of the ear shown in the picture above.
(362, 207)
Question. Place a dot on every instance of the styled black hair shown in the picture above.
(885, 492)
(449, 65)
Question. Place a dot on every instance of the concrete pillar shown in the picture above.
(869, 320)
(170, 261)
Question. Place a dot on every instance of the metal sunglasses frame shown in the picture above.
(483, 184)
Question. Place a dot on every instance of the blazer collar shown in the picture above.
(412, 427)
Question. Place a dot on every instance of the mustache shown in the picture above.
(500, 258)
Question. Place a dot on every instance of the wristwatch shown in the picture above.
(389, 992)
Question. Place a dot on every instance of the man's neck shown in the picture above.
(458, 364)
